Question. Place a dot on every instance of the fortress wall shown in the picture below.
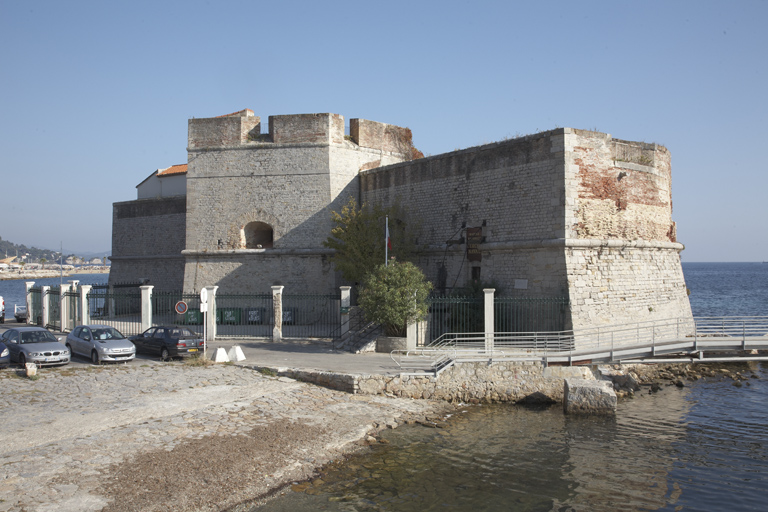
(317, 128)
(622, 190)
(611, 285)
(147, 239)
(513, 190)
(515, 186)
(223, 131)
(251, 272)
(286, 187)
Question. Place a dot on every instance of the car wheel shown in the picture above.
(22, 360)
(95, 357)
(164, 354)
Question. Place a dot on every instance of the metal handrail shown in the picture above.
(611, 338)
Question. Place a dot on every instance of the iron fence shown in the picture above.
(121, 310)
(244, 315)
(164, 310)
(451, 313)
(35, 314)
(311, 316)
(74, 315)
(522, 314)
(53, 311)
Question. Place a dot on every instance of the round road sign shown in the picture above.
(181, 307)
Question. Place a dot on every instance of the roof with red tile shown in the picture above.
(174, 169)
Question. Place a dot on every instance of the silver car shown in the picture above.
(34, 345)
(100, 343)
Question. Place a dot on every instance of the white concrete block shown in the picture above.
(236, 354)
(220, 356)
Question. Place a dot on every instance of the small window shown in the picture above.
(258, 235)
(475, 273)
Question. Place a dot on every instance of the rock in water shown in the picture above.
(582, 396)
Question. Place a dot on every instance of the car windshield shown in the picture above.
(37, 337)
(107, 333)
(181, 333)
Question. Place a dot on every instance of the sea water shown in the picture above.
(700, 447)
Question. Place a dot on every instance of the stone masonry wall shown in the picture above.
(626, 283)
(513, 190)
(464, 382)
(147, 239)
(623, 189)
(291, 184)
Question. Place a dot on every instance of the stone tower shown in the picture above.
(259, 204)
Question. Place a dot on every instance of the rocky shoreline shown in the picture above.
(628, 380)
(31, 275)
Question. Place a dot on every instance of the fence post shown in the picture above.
(85, 310)
(210, 333)
(277, 307)
(345, 302)
(29, 285)
(44, 305)
(64, 308)
(146, 306)
(489, 319)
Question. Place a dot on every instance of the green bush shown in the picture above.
(394, 296)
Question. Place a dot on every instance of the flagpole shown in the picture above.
(386, 242)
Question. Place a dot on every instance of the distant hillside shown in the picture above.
(35, 254)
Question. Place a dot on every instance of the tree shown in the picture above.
(395, 295)
(358, 238)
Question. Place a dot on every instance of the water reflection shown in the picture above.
(512, 458)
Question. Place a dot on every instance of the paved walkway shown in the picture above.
(169, 436)
(309, 355)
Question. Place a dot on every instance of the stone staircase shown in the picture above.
(361, 337)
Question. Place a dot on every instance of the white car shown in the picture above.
(100, 343)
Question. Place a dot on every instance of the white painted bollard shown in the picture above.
(31, 369)
(220, 356)
(236, 354)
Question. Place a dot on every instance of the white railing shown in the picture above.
(582, 342)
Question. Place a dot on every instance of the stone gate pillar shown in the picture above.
(29, 285)
(489, 319)
(85, 312)
(146, 307)
(277, 307)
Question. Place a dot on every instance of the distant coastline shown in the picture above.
(41, 274)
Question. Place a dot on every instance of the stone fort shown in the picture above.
(562, 213)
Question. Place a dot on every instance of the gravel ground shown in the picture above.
(146, 437)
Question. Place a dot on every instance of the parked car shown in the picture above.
(168, 342)
(2, 310)
(5, 356)
(101, 343)
(20, 313)
(34, 345)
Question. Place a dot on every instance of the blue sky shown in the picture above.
(94, 96)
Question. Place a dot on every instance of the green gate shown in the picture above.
(53, 298)
(522, 314)
(35, 314)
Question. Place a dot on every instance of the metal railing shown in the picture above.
(607, 342)
(164, 310)
(35, 314)
(246, 315)
(53, 303)
(121, 310)
(311, 316)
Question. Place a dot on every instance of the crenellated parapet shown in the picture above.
(228, 130)
(243, 128)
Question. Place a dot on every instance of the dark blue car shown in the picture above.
(5, 356)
